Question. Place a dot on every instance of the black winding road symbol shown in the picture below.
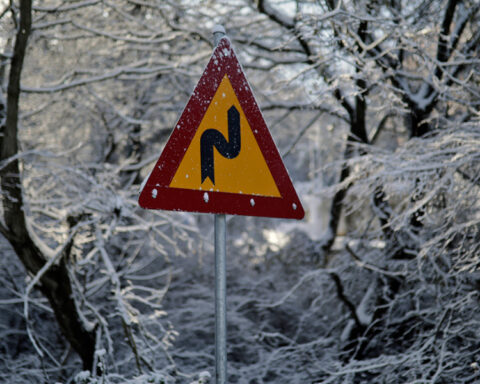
(212, 138)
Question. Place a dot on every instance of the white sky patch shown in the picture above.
(276, 239)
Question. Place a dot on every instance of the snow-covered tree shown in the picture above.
(83, 82)
(375, 107)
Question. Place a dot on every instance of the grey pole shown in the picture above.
(220, 300)
(220, 278)
(218, 32)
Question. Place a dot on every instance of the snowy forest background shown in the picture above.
(374, 106)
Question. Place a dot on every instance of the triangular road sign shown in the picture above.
(220, 157)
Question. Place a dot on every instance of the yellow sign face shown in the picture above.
(214, 161)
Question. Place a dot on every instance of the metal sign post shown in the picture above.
(220, 278)
(220, 300)
(244, 176)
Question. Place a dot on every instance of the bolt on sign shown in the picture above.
(220, 157)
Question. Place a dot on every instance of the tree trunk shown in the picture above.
(55, 283)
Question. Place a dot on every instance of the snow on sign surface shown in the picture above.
(221, 157)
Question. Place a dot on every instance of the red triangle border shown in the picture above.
(156, 193)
